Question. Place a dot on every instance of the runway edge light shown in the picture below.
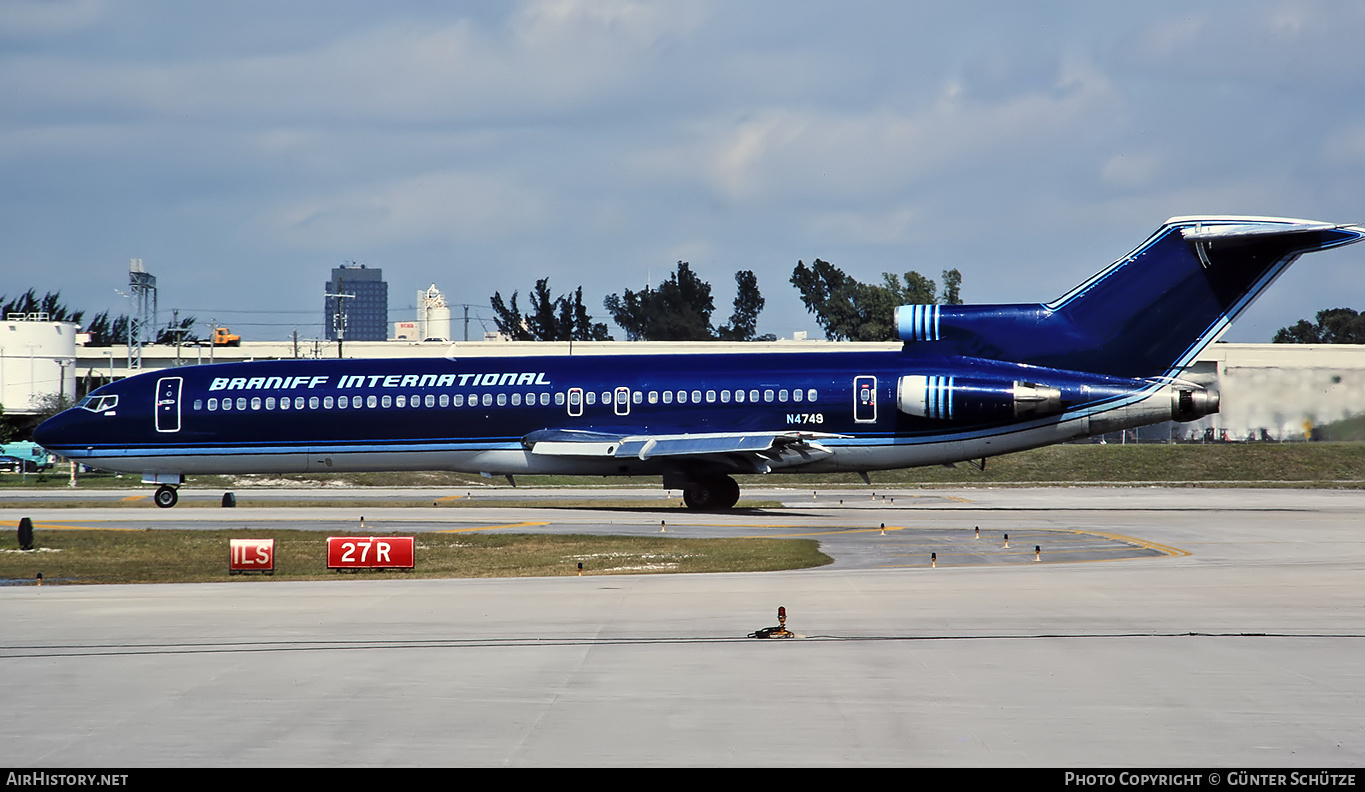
(780, 631)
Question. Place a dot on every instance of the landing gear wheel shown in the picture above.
(731, 495)
(711, 494)
(166, 496)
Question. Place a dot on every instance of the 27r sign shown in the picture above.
(370, 552)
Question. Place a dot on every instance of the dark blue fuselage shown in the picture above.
(969, 382)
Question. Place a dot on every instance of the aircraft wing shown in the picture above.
(760, 450)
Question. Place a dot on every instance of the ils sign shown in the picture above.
(251, 555)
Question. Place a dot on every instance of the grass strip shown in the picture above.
(1334, 463)
(191, 556)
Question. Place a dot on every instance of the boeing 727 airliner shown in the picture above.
(969, 382)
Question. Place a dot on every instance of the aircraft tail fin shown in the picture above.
(1146, 315)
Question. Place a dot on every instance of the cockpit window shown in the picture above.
(99, 403)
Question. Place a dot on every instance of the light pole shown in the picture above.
(62, 363)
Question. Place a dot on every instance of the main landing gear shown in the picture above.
(166, 496)
(713, 493)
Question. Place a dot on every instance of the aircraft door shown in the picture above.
(865, 399)
(623, 401)
(168, 404)
(575, 402)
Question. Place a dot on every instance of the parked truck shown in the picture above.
(25, 456)
(221, 337)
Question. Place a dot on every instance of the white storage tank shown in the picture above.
(37, 361)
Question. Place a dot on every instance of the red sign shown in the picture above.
(370, 552)
(251, 555)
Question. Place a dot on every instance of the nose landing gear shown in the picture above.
(166, 496)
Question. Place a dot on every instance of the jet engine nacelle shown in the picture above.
(975, 400)
(985, 399)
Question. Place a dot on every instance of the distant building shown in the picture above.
(366, 315)
(433, 315)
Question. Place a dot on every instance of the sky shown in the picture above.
(241, 150)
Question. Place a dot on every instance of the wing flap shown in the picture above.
(776, 449)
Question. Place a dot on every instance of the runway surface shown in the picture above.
(1188, 628)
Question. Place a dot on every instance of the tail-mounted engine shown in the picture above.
(990, 397)
(975, 400)
(1191, 402)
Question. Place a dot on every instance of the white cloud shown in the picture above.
(445, 207)
(781, 153)
(1133, 169)
(551, 55)
(1346, 145)
(870, 226)
(49, 17)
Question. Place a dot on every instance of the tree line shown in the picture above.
(1333, 326)
(104, 331)
(681, 307)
